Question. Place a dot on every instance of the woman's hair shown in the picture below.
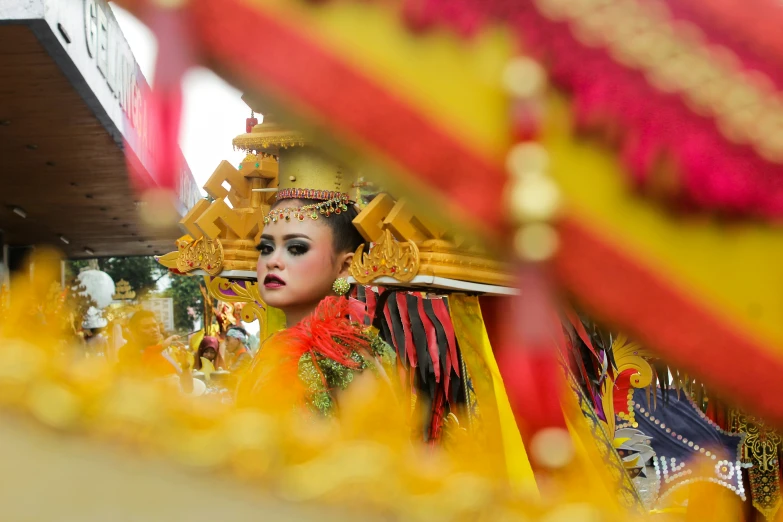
(345, 236)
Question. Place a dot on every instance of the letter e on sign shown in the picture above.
(103, 42)
(91, 26)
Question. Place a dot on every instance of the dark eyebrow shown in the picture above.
(296, 236)
(286, 237)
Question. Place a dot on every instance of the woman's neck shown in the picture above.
(294, 316)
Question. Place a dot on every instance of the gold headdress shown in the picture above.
(306, 173)
(403, 248)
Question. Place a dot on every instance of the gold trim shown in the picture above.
(259, 142)
(464, 267)
(168, 260)
(386, 257)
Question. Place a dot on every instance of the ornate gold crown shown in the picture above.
(387, 257)
(306, 173)
(204, 253)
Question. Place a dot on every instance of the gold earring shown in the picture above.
(341, 286)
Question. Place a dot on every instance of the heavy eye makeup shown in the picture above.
(297, 247)
(294, 244)
(265, 247)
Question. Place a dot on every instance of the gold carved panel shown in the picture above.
(245, 292)
(238, 191)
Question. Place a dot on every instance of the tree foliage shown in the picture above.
(142, 272)
(188, 301)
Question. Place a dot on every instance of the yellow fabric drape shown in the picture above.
(497, 417)
(275, 321)
(596, 471)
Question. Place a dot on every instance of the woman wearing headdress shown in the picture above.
(305, 253)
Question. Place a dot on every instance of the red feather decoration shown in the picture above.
(328, 332)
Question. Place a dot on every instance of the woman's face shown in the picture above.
(210, 354)
(297, 263)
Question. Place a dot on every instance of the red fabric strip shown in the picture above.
(371, 300)
(580, 329)
(410, 349)
(438, 416)
(432, 337)
(439, 307)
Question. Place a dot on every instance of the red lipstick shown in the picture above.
(272, 281)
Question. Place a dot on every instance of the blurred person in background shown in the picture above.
(209, 349)
(238, 356)
(145, 348)
(96, 343)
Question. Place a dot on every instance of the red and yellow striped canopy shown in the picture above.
(428, 113)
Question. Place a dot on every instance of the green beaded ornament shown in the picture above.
(341, 286)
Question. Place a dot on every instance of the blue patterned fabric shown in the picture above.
(688, 446)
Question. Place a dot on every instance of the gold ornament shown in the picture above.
(441, 253)
(203, 253)
(761, 448)
(628, 355)
(333, 205)
(386, 257)
(124, 291)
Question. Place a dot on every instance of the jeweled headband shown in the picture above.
(333, 203)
